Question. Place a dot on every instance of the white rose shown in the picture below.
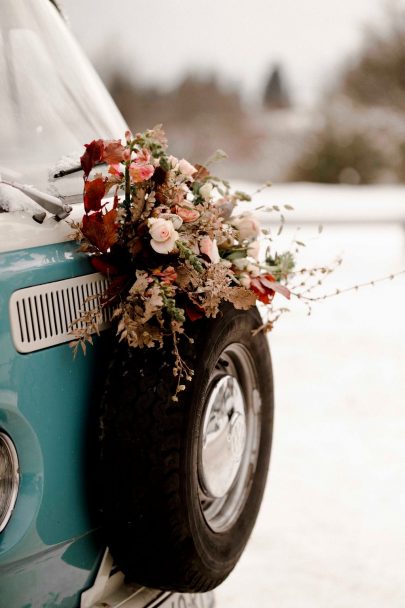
(248, 226)
(186, 168)
(163, 234)
(206, 191)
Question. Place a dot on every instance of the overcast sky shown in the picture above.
(159, 40)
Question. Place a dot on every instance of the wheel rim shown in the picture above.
(229, 445)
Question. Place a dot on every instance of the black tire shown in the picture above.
(157, 516)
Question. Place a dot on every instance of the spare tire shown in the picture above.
(182, 483)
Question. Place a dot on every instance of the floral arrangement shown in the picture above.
(171, 244)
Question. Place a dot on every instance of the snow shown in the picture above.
(65, 163)
(19, 231)
(13, 200)
(331, 528)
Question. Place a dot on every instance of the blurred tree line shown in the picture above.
(199, 117)
(359, 135)
(356, 135)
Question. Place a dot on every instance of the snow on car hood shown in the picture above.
(19, 231)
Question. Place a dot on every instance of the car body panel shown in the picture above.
(47, 406)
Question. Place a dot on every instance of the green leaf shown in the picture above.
(164, 163)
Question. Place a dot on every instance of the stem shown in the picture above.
(127, 191)
(389, 277)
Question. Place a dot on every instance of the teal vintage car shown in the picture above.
(53, 546)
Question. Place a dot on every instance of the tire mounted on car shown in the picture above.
(182, 483)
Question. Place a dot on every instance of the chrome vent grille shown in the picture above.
(42, 315)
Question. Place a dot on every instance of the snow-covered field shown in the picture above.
(331, 532)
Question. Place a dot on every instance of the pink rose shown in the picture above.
(163, 234)
(209, 248)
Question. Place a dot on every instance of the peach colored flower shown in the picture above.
(140, 173)
(209, 248)
(143, 157)
(187, 215)
(247, 226)
(163, 234)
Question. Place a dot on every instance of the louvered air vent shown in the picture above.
(41, 316)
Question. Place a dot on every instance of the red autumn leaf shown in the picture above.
(100, 229)
(94, 190)
(113, 151)
(92, 155)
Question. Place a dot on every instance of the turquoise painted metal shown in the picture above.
(51, 548)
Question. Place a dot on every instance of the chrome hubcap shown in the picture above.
(224, 435)
(230, 438)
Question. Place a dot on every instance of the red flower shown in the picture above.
(265, 286)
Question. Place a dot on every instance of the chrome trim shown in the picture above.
(12, 452)
(226, 467)
(224, 436)
(44, 315)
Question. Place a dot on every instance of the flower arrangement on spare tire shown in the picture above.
(180, 487)
(170, 245)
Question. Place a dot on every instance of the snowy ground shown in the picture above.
(331, 532)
